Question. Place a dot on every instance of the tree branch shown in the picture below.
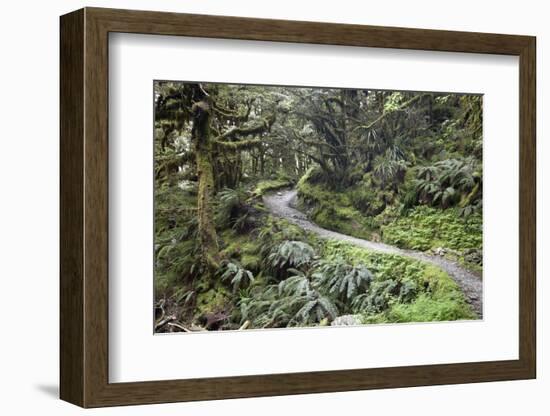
(239, 145)
(258, 127)
(384, 115)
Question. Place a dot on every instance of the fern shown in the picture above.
(256, 305)
(341, 279)
(184, 297)
(407, 291)
(296, 285)
(179, 256)
(448, 182)
(293, 302)
(378, 298)
(314, 309)
(390, 166)
(291, 254)
(237, 275)
(232, 211)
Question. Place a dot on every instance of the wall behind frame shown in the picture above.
(29, 213)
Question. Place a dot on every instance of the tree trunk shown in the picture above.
(262, 162)
(203, 150)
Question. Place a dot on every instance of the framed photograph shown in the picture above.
(257, 207)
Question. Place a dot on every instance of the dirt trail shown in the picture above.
(282, 205)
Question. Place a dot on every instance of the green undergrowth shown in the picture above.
(362, 213)
(175, 237)
(436, 297)
(275, 274)
(269, 185)
(425, 228)
(243, 248)
(334, 210)
(402, 289)
(300, 279)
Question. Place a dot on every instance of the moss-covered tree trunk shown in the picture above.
(205, 169)
(208, 152)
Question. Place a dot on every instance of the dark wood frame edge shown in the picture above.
(84, 207)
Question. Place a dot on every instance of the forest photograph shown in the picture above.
(284, 206)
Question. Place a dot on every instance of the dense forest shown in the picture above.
(291, 206)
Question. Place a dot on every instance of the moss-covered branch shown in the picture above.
(387, 113)
(258, 127)
(239, 145)
(234, 114)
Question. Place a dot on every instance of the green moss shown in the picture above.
(276, 230)
(384, 266)
(245, 248)
(232, 243)
(334, 210)
(427, 309)
(367, 197)
(209, 249)
(251, 261)
(425, 228)
(438, 297)
(270, 185)
(213, 300)
(366, 211)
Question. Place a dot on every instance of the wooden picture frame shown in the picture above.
(84, 207)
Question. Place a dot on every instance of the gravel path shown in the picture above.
(282, 205)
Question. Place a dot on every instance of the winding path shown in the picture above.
(282, 205)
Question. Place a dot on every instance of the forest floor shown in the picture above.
(282, 204)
